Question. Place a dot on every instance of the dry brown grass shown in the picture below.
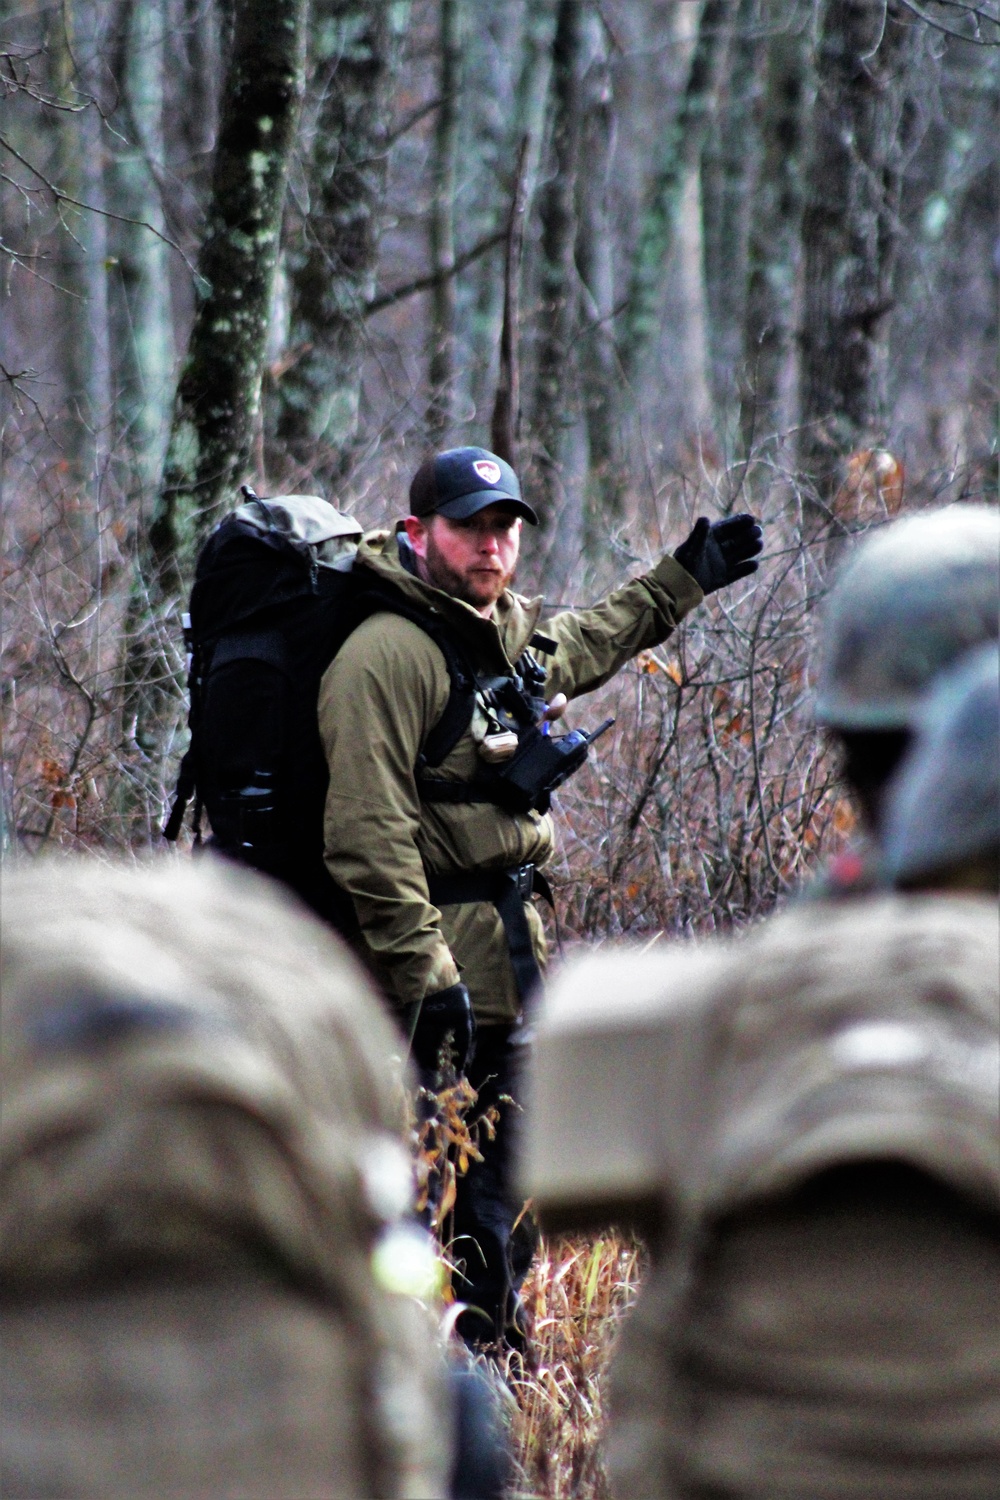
(574, 1296)
(576, 1292)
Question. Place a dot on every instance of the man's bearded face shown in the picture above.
(472, 560)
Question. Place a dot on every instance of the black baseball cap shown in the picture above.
(461, 481)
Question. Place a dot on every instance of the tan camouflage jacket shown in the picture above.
(379, 700)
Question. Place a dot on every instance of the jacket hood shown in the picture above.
(506, 633)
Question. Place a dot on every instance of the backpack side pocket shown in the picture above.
(243, 740)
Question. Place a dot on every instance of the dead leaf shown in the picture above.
(872, 487)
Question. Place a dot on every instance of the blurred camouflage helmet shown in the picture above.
(911, 600)
(945, 804)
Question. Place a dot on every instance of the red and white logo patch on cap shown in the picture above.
(488, 471)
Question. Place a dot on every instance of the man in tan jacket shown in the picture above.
(440, 860)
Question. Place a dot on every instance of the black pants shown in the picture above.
(496, 1256)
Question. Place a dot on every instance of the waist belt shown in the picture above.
(508, 890)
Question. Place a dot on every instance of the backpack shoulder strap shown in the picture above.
(461, 700)
(442, 739)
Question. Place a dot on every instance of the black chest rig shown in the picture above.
(534, 765)
(537, 763)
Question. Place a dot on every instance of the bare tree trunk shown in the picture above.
(849, 230)
(332, 247)
(692, 336)
(219, 390)
(729, 169)
(505, 427)
(554, 384)
(507, 112)
(80, 174)
(206, 32)
(773, 253)
(145, 332)
(679, 150)
(600, 372)
(533, 86)
(441, 332)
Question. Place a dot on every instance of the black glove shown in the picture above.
(446, 1011)
(719, 552)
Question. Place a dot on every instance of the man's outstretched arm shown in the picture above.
(593, 644)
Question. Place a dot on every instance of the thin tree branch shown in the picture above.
(19, 85)
(423, 283)
(408, 121)
(60, 197)
(966, 10)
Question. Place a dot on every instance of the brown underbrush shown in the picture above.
(712, 798)
(578, 1288)
(575, 1295)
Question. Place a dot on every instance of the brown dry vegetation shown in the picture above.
(713, 796)
(574, 1297)
(705, 802)
(576, 1293)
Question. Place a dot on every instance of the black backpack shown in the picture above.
(275, 596)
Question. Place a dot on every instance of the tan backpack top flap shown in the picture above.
(614, 1097)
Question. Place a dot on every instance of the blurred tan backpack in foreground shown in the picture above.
(201, 1173)
(809, 1117)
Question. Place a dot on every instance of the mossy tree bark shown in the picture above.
(679, 150)
(218, 394)
(849, 229)
(332, 241)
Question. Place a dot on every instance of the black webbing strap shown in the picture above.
(435, 789)
(508, 890)
(379, 596)
(236, 645)
(185, 791)
(267, 646)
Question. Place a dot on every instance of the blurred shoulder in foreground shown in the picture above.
(806, 1121)
(208, 1278)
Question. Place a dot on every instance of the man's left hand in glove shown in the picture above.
(446, 1015)
(717, 553)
